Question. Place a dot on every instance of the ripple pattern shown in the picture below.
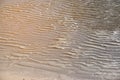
(73, 39)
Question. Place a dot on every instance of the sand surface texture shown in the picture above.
(59, 40)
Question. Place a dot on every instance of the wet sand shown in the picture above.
(59, 40)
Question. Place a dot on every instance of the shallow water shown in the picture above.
(59, 40)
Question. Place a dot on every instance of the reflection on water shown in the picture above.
(59, 40)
